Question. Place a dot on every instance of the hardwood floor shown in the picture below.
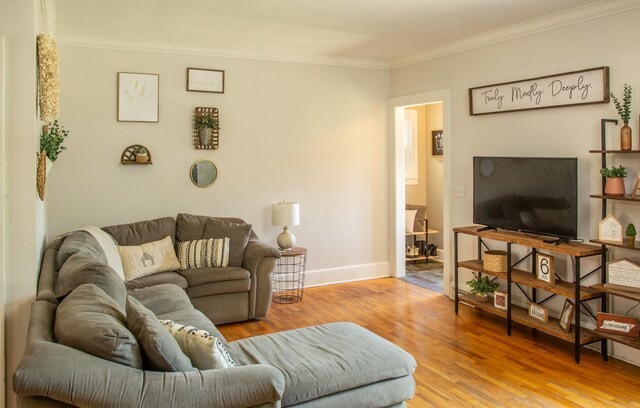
(465, 360)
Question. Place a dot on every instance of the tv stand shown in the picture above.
(487, 228)
(555, 241)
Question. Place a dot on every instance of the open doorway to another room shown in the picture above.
(424, 175)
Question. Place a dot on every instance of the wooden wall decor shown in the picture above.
(41, 174)
(204, 111)
(129, 155)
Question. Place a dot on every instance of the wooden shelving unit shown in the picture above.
(626, 197)
(578, 335)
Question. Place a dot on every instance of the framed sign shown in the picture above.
(614, 324)
(566, 317)
(570, 88)
(623, 274)
(437, 143)
(500, 300)
(545, 268)
(205, 80)
(610, 229)
(539, 312)
(137, 97)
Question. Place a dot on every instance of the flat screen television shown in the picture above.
(528, 194)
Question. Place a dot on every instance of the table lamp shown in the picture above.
(285, 214)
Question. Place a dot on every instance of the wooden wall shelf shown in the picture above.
(626, 197)
(129, 155)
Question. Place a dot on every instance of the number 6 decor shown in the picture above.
(545, 270)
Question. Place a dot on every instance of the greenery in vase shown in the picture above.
(631, 230)
(51, 140)
(482, 285)
(614, 172)
(624, 108)
(206, 122)
(142, 151)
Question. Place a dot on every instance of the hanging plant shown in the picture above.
(48, 79)
(51, 140)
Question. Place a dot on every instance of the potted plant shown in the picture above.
(482, 287)
(205, 125)
(615, 180)
(624, 110)
(142, 155)
(631, 235)
(51, 140)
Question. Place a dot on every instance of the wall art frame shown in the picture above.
(138, 97)
(437, 142)
(205, 80)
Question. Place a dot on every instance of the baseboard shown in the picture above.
(342, 274)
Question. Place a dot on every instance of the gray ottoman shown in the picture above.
(333, 365)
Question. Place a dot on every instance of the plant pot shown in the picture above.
(625, 137)
(614, 186)
(482, 298)
(48, 167)
(206, 136)
(631, 240)
(142, 158)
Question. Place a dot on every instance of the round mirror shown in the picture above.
(203, 173)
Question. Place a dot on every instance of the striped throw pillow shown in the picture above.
(204, 253)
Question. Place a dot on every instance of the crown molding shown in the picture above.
(550, 22)
(188, 49)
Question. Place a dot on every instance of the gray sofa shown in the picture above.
(81, 350)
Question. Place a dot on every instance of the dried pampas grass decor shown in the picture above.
(49, 81)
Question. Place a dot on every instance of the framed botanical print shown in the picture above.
(437, 142)
(138, 97)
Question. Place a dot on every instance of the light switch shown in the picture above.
(460, 191)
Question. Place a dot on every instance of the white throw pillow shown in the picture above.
(409, 219)
(109, 247)
(148, 259)
(205, 351)
(204, 253)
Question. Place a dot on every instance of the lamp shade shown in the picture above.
(285, 214)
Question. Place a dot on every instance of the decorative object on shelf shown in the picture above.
(206, 124)
(566, 316)
(52, 138)
(413, 251)
(203, 173)
(624, 110)
(538, 312)
(482, 287)
(636, 186)
(437, 142)
(571, 88)
(610, 229)
(631, 234)
(130, 155)
(41, 177)
(615, 180)
(615, 324)
(142, 155)
(205, 80)
(206, 118)
(48, 77)
(285, 214)
(138, 99)
(495, 261)
(500, 300)
(623, 274)
(545, 268)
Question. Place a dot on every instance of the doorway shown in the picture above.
(398, 164)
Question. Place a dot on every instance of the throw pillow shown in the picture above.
(160, 350)
(238, 235)
(147, 259)
(409, 218)
(90, 320)
(421, 214)
(205, 351)
(204, 253)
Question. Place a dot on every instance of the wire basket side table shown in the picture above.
(288, 276)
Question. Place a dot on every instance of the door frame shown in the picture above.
(397, 182)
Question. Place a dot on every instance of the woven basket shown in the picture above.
(495, 261)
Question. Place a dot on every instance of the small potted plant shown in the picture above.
(631, 235)
(205, 125)
(624, 110)
(615, 180)
(142, 155)
(482, 287)
(51, 140)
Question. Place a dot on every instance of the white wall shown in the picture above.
(434, 173)
(417, 193)
(316, 134)
(558, 132)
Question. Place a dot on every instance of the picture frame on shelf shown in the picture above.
(545, 268)
(538, 312)
(623, 274)
(205, 80)
(566, 317)
(610, 229)
(138, 99)
(500, 300)
(437, 142)
(616, 324)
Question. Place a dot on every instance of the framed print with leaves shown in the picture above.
(138, 97)
(205, 80)
(437, 142)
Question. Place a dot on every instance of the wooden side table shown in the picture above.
(288, 276)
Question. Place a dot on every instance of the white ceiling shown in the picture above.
(373, 33)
